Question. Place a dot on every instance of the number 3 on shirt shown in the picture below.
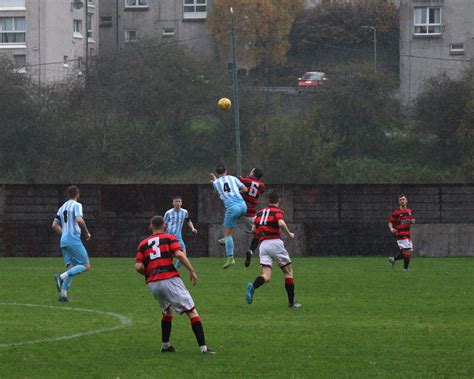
(227, 187)
(154, 243)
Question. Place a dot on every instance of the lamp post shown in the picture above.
(375, 43)
(236, 98)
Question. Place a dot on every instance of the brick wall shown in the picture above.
(327, 219)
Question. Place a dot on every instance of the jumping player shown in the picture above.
(267, 227)
(174, 220)
(154, 260)
(68, 223)
(255, 188)
(400, 222)
(229, 189)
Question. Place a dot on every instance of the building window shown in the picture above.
(89, 25)
(168, 32)
(12, 30)
(194, 9)
(428, 21)
(12, 5)
(456, 49)
(20, 63)
(105, 21)
(77, 28)
(136, 3)
(131, 35)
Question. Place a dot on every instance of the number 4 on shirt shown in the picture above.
(227, 187)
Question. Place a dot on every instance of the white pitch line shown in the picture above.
(124, 322)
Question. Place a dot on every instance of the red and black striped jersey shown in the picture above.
(255, 189)
(401, 220)
(266, 223)
(156, 253)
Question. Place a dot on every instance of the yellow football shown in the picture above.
(224, 104)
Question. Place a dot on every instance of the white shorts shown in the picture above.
(405, 244)
(273, 250)
(172, 292)
(248, 222)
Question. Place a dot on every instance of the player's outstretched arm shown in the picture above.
(83, 226)
(185, 262)
(57, 228)
(283, 226)
(213, 177)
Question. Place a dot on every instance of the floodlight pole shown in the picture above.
(236, 98)
(375, 43)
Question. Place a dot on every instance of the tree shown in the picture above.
(358, 104)
(439, 112)
(20, 122)
(332, 32)
(295, 150)
(262, 28)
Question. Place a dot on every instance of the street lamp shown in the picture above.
(375, 43)
(236, 97)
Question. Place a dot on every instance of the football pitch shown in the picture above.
(359, 318)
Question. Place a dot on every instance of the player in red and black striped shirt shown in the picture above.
(267, 227)
(154, 260)
(399, 224)
(255, 188)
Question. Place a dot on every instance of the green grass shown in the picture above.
(359, 318)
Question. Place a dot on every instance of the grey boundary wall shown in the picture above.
(328, 220)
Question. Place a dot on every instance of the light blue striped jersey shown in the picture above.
(228, 188)
(66, 217)
(174, 220)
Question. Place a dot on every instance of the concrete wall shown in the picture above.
(327, 219)
(424, 57)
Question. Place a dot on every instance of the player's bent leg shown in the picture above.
(63, 285)
(258, 282)
(250, 251)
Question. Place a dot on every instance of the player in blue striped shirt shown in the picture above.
(68, 223)
(229, 189)
(175, 219)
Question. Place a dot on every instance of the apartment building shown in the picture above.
(125, 22)
(436, 38)
(49, 39)
(313, 3)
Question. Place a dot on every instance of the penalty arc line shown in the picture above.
(124, 322)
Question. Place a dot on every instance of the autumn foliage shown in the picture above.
(262, 28)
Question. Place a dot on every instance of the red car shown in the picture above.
(311, 80)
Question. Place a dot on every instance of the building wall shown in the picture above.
(327, 219)
(149, 23)
(424, 57)
(49, 37)
(313, 3)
